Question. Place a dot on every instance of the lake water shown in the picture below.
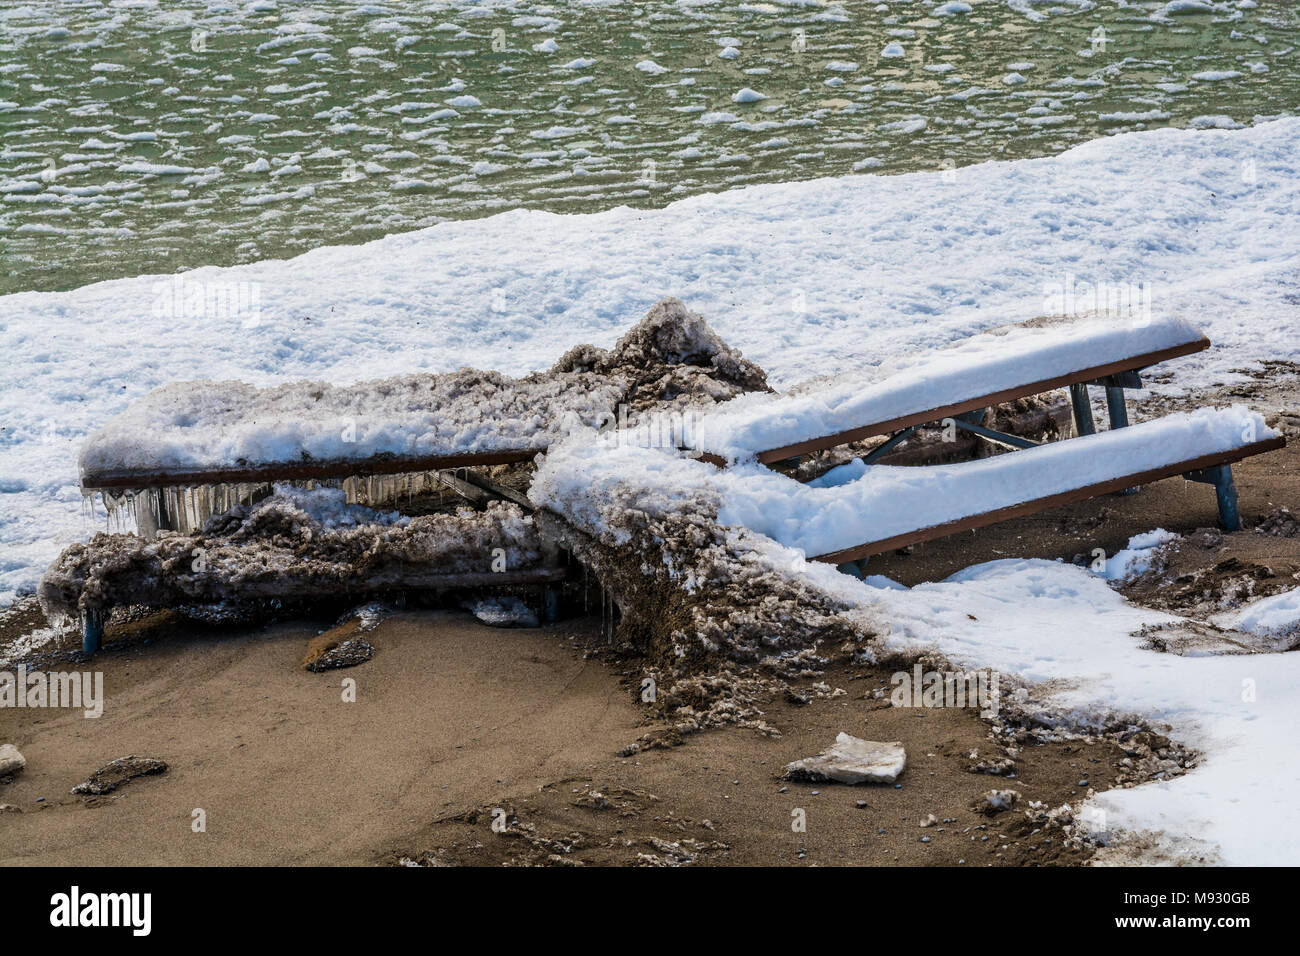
(149, 137)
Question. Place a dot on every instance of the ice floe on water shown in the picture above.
(139, 129)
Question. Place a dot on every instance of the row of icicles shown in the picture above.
(147, 511)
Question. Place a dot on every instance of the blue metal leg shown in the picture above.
(857, 569)
(1083, 424)
(1225, 489)
(550, 603)
(92, 631)
(883, 449)
(1115, 407)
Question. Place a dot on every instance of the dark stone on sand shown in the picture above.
(108, 778)
(340, 646)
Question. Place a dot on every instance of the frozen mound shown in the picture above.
(292, 544)
(672, 355)
(722, 613)
(193, 427)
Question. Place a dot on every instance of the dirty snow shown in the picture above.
(1275, 616)
(1137, 556)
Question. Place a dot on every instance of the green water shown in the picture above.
(145, 137)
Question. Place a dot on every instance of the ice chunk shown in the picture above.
(852, 760)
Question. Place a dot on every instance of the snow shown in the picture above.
(1138, 556)
(1276, 616)
(886, 264)
(194, 426)
(978, 366)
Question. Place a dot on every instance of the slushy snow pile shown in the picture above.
(1276, 616)
(1137, 558)
(192, 426)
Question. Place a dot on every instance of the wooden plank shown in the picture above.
(428, 581)
(302, 470)
(982, 401)
(971, 522)
(418, 581)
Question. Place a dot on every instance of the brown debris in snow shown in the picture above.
(671, 356)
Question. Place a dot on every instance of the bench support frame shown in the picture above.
(993, 436)
(1225, 490)
(92, 631)
(1083, 423)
